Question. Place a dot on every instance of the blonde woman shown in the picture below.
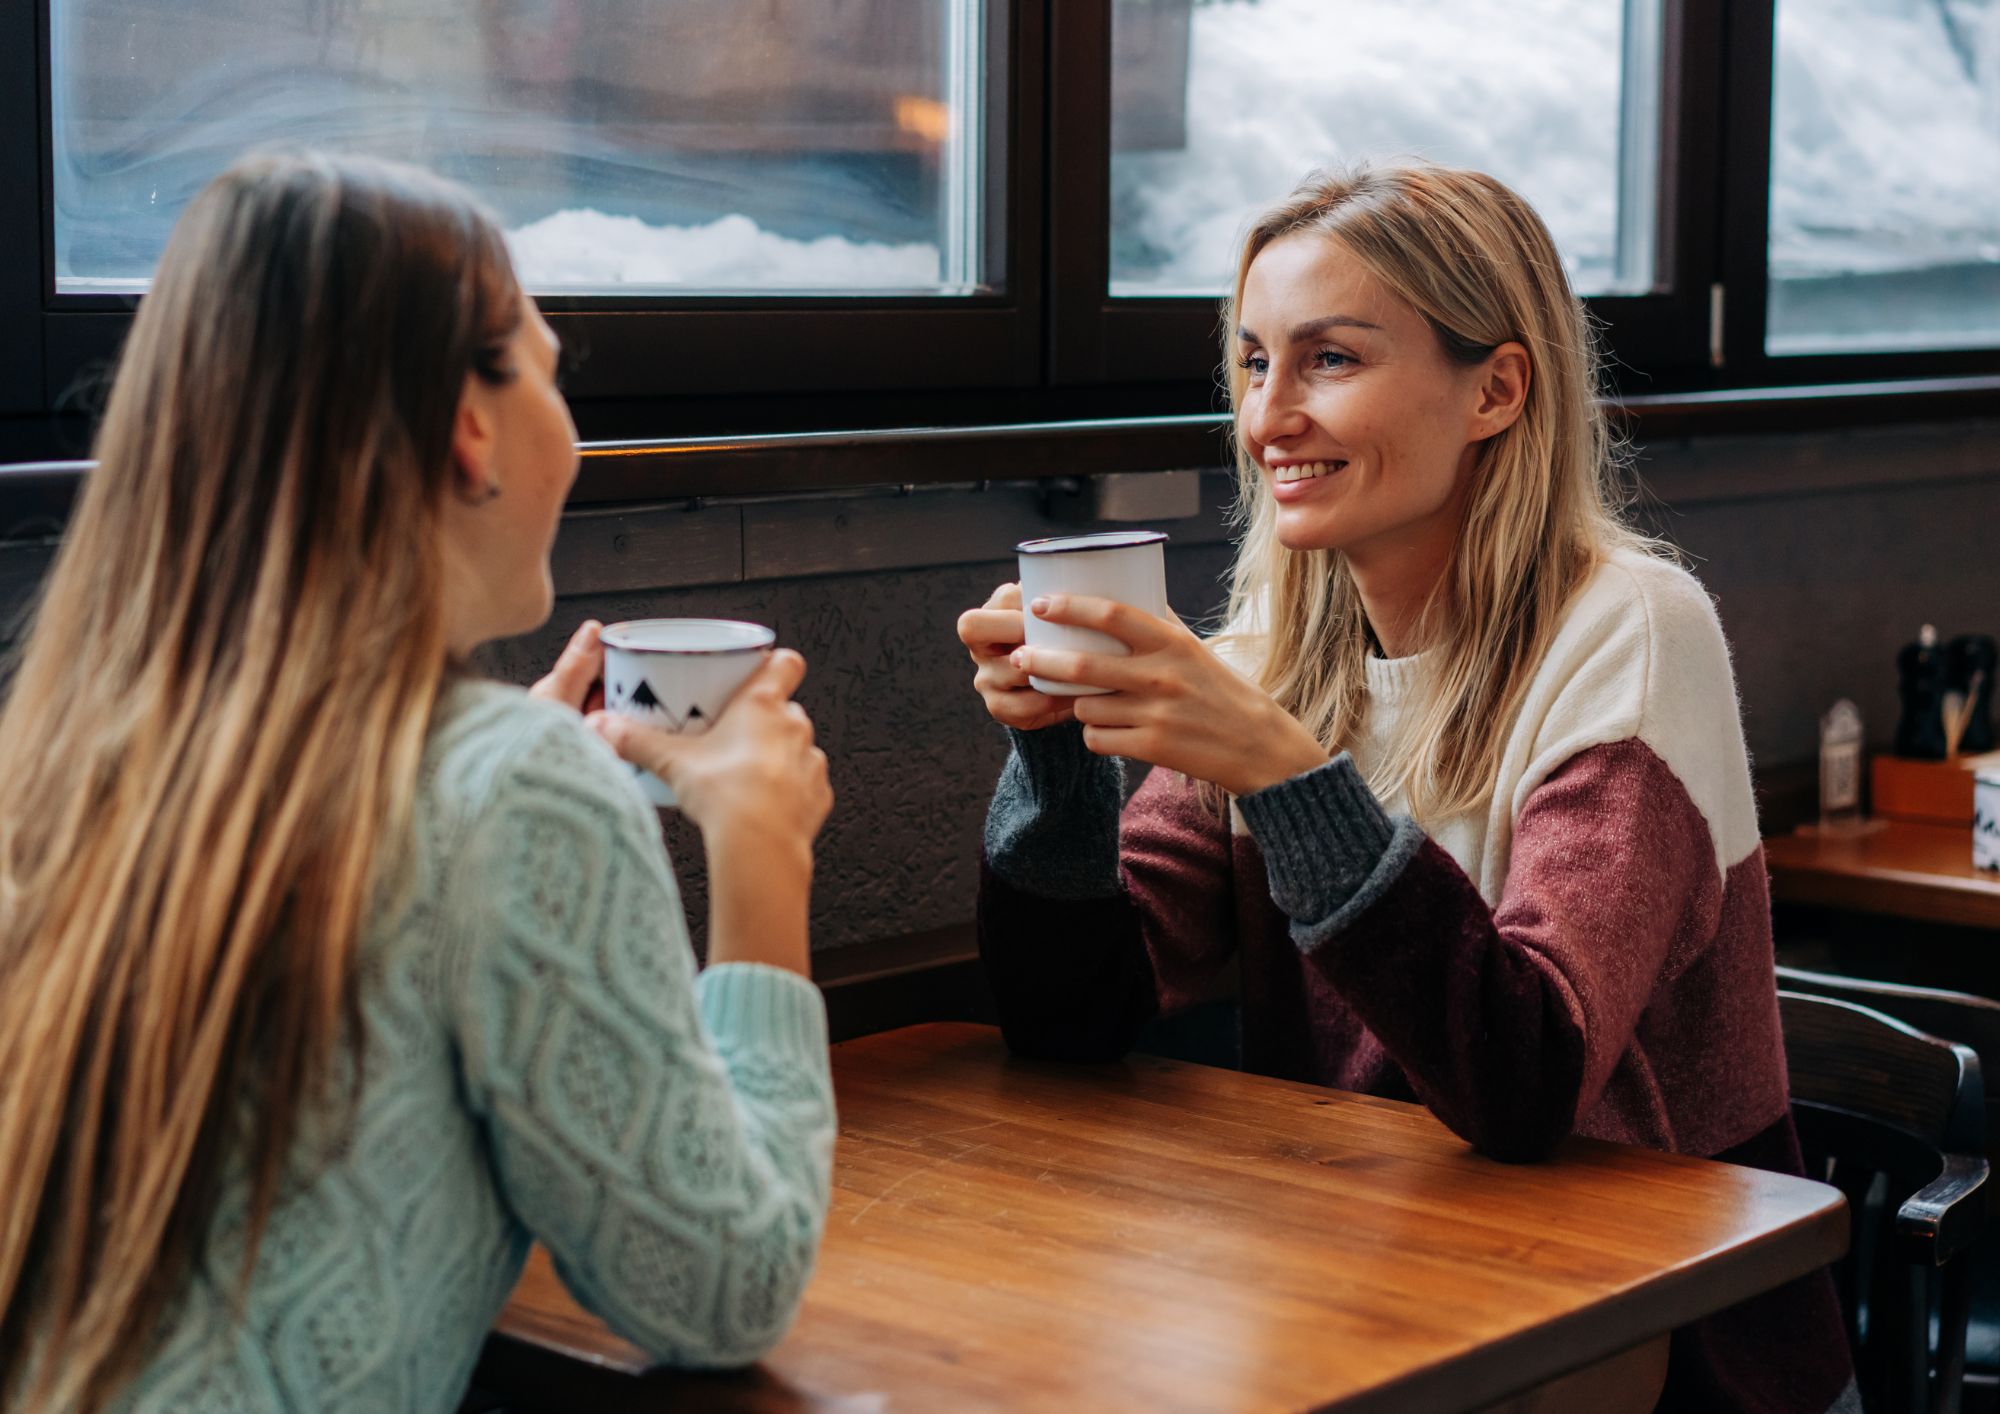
(331, 978)
(1490, 841)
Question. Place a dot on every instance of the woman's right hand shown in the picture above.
(755, 774)
(990, 634)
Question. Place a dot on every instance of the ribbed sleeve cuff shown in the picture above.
(772, 1009)
(1052, 829)
(1323, 835)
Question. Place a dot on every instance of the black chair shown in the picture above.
(1950, 1016)
(1973, 1021)
(1895, 1119)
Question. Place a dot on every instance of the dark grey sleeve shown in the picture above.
(1330, 850)
(1052, 829)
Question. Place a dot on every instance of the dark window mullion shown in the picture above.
(1743, 221)
(1079, 187)
(23, 260)
(1688, 260)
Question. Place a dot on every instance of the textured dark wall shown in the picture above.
(1818, 593)
(1825, 553)
(911, 751)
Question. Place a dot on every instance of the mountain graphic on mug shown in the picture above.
(644, 699)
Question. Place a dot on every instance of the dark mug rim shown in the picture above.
(1081, 544)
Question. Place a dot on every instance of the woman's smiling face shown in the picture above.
(1363, 426)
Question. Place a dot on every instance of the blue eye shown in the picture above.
(1257, 364)
(1331, 358)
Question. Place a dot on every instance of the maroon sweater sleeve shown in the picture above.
(1509, 1021)
(1077, 979)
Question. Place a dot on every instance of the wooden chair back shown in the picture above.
(1896, 1119)
(1951, 1016)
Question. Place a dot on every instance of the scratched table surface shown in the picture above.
(1152, 1235)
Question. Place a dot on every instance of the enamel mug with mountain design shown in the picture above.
(678, 674)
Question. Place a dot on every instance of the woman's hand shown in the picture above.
(577, 679)
(1173, 702)
(756, 785)
(990, 634)
(755, 774)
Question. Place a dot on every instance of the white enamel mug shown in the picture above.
(1986, 820)
(678, 674)
(1129, 566)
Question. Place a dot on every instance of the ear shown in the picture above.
(1502, 391)
(473, 438)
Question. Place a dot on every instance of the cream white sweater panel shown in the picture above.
(1640, 655)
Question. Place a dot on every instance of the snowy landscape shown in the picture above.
(1886, 152)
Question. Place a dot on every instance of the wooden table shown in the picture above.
(1152, 1235)
(1894, 867)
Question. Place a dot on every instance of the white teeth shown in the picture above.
(1305, 471)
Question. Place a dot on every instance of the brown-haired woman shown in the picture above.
(331, 978)
(1490, 841)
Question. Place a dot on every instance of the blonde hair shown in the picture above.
(1472, 258)
(214, 732)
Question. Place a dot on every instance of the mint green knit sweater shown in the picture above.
(541, 1063)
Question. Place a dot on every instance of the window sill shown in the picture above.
(688, 468)
(34, 497)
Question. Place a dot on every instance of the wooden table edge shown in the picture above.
(1608, 1327)
(1836, 872)
(1454, 1385)
(1923, 898)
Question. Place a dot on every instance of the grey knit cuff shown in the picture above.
(1052, 829)
(1329, 848)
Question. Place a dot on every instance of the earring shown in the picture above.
(485, 495)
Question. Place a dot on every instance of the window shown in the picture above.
(1885, 176)
(631, 147)
(1219, 106)
(775, 215)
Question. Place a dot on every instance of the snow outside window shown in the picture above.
(1221, 106)
(1885, 176)
(631, 147)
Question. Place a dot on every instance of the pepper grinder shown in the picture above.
(1920, 670)
(1969, 663)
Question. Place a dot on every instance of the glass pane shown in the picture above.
(1220, 106)
(1885, 176)
(630, 146)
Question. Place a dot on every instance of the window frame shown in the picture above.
(1745, 272)
(1054, 344)
(651, 347)
(1096, 337)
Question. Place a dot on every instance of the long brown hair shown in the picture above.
(1547, 504)
(215, 728)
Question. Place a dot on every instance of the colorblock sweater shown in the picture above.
(541, 1063)
(1590, 954)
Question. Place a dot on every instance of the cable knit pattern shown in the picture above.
(541, 1063)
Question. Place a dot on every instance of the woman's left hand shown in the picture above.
(577, 679)
(1173, 702)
